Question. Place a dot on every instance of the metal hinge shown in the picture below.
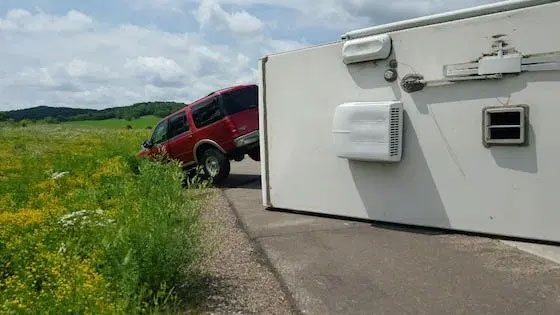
(493, 67)
(490, 67)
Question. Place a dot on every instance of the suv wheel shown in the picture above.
(255, 154)
(215, 164)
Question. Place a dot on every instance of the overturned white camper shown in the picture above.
(449, 121)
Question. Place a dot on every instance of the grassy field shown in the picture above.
(87, 228)
(139, 123)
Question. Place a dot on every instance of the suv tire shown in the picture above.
(215, 164)
(255, 154)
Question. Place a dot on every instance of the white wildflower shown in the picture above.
(57, 175)
(71, 218)
(85, 218)
(62, 248)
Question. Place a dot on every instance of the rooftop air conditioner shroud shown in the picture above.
(369, 131)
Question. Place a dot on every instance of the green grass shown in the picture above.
(139, 123)
(87, 228)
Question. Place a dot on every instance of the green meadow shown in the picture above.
(88, 228)
(138, 123)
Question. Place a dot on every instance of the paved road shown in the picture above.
(334, 266)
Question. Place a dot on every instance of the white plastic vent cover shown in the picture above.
(369, 131)
(366, 49)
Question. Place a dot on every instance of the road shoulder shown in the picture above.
(239, 279)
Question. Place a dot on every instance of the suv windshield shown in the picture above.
(160, 133)
(240, 100)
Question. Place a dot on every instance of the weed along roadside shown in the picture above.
(86, 227)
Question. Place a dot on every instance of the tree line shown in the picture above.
(61, 114)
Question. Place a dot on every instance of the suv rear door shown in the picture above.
(180, 143)
(208, 118)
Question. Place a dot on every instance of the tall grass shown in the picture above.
(86, 227)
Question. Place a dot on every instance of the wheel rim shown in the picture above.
(212, 166)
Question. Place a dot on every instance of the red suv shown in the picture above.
(220, 127)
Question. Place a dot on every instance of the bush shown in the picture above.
(86, 227)
(26, 122)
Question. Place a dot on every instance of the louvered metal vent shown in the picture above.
(394, 145)
(505, 125)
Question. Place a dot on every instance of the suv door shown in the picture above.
(180, 144)
(159, 138)
(208, 118)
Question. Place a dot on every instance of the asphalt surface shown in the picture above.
(333, 266)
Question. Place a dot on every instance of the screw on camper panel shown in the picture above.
(390, 75)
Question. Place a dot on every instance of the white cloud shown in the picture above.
(162, 5)
(210, 14)
(78, 69)
(22, 20)
(158, 71)
(99, 65)
(40, 77)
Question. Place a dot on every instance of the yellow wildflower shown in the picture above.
(24, 217)
(112, 167)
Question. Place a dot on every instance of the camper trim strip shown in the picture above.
(446, 17)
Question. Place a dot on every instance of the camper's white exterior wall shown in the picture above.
(447, 178)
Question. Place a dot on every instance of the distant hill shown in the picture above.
(41, 112)
(159, 109)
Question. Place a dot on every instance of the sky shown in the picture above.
(105, 53)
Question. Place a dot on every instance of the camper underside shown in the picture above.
(479, 150)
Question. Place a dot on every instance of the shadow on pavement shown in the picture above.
(374, 224)
(242, 181)
(411, 228)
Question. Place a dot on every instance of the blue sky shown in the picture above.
(104, 53)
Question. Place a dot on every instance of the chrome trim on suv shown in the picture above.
(247, 139)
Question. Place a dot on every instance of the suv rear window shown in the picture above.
(240, 100)
(206, 113)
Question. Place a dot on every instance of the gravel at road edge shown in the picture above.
(242, 280)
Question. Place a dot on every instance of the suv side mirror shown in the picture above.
(147, 144)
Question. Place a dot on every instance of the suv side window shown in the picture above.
(160, 133)
(206, 113)
(178, 125)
